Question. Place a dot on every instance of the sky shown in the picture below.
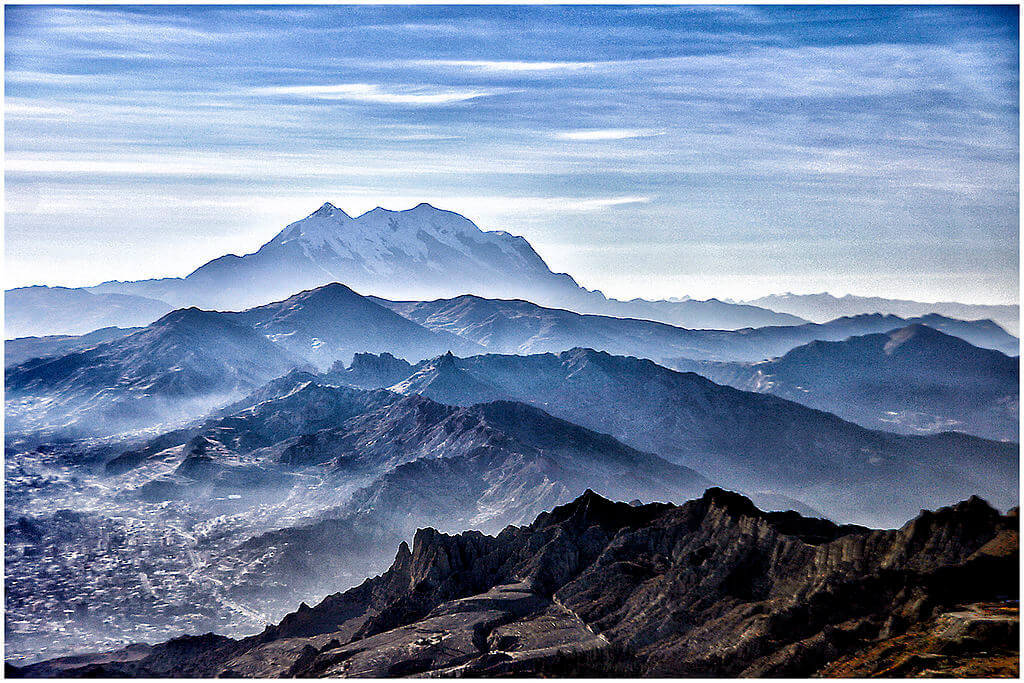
(659, 151)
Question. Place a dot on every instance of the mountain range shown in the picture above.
(748, 441)
(177, 469)
(823, 307)
(35, 311)
(389, 464)
(21, 349)
(420, 252)
(913, 380)
(181, 366)
(516, 326)
(191, 361)
(711, 588)
(85, 389)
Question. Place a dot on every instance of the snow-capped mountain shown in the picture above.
(423, 245)
(420, 253)
(423, 250)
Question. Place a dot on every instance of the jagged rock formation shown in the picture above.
(714, 587)
(370, 371)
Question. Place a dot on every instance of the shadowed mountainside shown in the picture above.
(748, 441)
(915, 380)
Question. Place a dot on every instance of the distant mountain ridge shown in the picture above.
(422, 252)
(748, 441)
(38, 311)
(517, 326)
(914, 380)
(316, 328)
(822, 307)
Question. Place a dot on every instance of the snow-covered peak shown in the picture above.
(329, 210)
(379, 239)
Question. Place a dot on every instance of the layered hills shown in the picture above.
(191, 361)
(368, 468)
(511, 326)
(33, 311)
(714, 587)
(182, 365)
(912, 380)
(750, 441)
(823, 306)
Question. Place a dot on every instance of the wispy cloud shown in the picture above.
(506, 67)
(608, 134)
(372, 93)
(122, 27)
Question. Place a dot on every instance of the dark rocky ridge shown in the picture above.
(714, 587)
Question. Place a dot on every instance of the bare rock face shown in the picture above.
(715, 587)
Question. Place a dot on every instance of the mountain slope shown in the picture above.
(333, 323)
(190, 361)
(182, 365)
(35, 311)
(405, 461)
(711, 588)
(748, 441)
(824, 306)
(17, 351)
(913, 380)
(509, 326)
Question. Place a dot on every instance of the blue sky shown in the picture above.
(648, 151)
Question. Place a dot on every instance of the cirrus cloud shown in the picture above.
(371, 93)
(608, 134)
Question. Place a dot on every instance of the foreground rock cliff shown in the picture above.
(714, 587)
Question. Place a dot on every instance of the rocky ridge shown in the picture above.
(714, 587)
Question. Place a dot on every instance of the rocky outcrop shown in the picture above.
(370, 371)
(715, 587)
